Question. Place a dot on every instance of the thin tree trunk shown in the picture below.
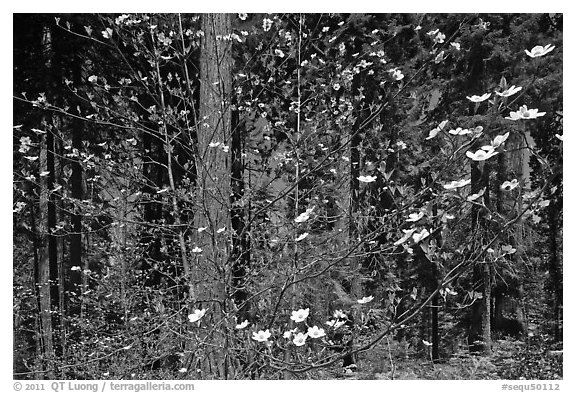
(480, 335)
(509, 316)
(43, 280)
(555, 266)
(435, 300)
(240, 253)
(60, 244)
(75, 238)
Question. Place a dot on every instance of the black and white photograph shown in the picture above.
(287, 196)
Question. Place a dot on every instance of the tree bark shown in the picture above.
(480, 335)
(213, 185)
(75, 238)
(43, 270)
(555, 266)
(509, 317)
(240, 252)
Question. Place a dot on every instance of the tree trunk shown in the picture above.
(435, 300)
(48, 269)
(213, 186)
(555, 266)
(509, 317)
(75, 238)
(240, 253)
(43, 272)
(480, 336)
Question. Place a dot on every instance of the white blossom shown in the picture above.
(197, 315)
(316, 332)
(510, 91)
(477, 99)
(365, 299)
(261, 335)
(523, 113)
(300, 315)
(539, 51)
(366, 179)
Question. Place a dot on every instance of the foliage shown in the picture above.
(351, 150)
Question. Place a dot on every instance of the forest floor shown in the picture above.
(535, 358)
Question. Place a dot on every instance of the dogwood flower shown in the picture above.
(340, 314)
(539, 51)
(473, 197)
(334, 323)
(499, 140)
(302, 236)
(107, 33)
(433, 133)
(436, 130)
(456, 45)
(482, 155)
(303, 217)
(397, 74)
(197, 315)
(300, 315)
(315, 332)
(456, 184)
(261, 335)
(266, 24)
(508, 249)
(561, 137)
(524, 113)
(509, 185)
(460, 131)
(413, 217)
(365, 299)
(407, 235)
(439, 38)
(439, 57)
(421, 236)
(478, 99)
(25, 143)
(300, 339)
(196, 250)
(242, 325)
(510, 91)
(366, 179)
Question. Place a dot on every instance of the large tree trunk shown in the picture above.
(211, 269)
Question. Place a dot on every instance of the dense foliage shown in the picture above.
(280, 195)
